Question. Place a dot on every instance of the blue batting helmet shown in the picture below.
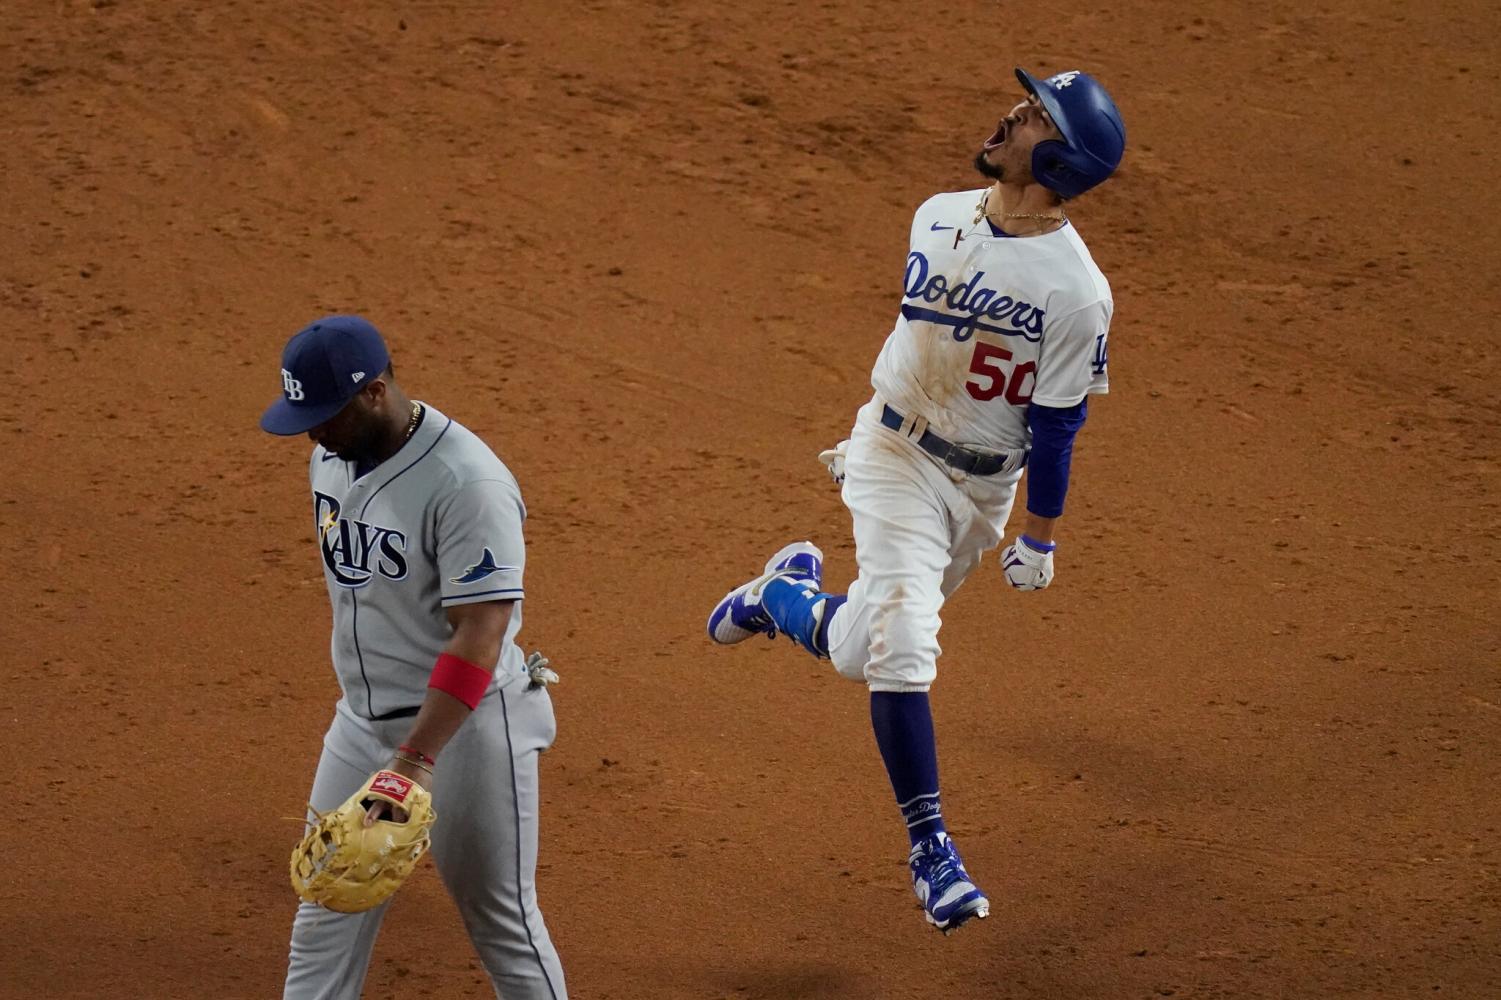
(1094, 137)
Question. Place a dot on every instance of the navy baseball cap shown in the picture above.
(322, 368)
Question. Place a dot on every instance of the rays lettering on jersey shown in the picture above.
(974, 307)
(355, 551)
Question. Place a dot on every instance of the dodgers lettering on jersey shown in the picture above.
(992, 323)
(967, 305)
(435, 525)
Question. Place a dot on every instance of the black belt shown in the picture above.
(399, 713)
(976, 463)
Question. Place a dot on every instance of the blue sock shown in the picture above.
(801, 612)
(831, 604)
(903, 723)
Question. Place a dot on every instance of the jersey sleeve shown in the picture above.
(1073, 362)
(481, 552)
(920, 221)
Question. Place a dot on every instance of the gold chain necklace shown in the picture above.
(985, 200)
(412, 423)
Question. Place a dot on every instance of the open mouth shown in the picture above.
(996, 140)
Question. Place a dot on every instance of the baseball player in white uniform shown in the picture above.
(418, 526)
(999, 342)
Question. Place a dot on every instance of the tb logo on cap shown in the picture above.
(1064, 79)
(292, 387)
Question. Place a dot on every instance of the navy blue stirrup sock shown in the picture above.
(831, 604)
(801, 612)
(903, 723)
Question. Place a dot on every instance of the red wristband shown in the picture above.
(408, 748)
(460, 678)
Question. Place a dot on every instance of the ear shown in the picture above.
(376, 390)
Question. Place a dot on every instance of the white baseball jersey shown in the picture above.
(990, 323)
(435, 525)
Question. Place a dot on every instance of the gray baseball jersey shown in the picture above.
(436, 525)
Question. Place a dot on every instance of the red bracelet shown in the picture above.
(460, 678)
(408, 748)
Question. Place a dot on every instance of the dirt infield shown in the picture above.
(1249, 745)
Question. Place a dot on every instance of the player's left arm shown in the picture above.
(1071, 367)
(478, 630)
(480, 556)
(1053, 431)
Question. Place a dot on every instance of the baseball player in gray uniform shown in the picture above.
(418, 525)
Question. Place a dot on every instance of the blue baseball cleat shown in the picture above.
(740, 614)
(948, 896)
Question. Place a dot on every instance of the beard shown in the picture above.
(988, 169)
(360, 441)
(364, 448)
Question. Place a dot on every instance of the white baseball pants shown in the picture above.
(920, 528)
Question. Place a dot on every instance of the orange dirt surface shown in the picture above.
(1248, 745)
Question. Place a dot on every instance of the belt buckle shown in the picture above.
(956, 456)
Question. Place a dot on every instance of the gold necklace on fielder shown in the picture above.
(412, 423)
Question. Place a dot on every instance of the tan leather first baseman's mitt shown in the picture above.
(346, 866)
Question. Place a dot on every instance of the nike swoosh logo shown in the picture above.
(938, 229)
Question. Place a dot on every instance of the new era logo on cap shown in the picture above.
(323, 367)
